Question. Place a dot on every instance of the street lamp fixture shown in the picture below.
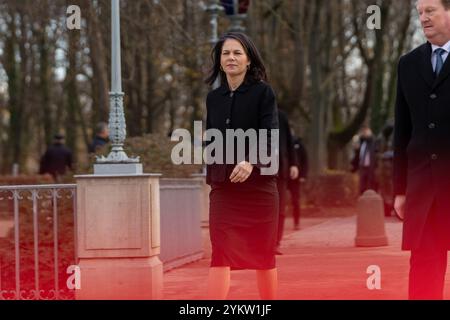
(117, 161)
(214, 8)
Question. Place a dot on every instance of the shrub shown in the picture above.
(154, 151)
(332, 189)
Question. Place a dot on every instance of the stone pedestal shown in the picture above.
(205, 199)
(118, 239)
(205, 215)
(370, 230)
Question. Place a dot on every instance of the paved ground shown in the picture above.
(319, 262)
(5, 226)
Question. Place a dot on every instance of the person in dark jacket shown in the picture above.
(365, 160)
(422, 152)
(243, 212)
(294, 185)
(385, 167)
(56, 159)
(288, 169)
(101, 137)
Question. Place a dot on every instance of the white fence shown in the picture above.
(37, 235)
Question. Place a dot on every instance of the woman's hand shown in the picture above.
(241, 172)
(293, 172)
(399, 206)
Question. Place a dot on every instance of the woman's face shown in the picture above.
(233, 59)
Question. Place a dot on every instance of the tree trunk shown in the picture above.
(44, 83)
(299, 59)
(97, 55)
(72, 94)
(317, 102)
(12, 70)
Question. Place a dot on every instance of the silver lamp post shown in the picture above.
(117, 158)
(214, 8)
(118, 213)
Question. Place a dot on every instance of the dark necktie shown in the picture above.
(439, 60)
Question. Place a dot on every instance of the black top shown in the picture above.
(97, 143)
(287, 156)
(251, 106)
(422, 144)
(422, 122)
(302, 157)
(56, 160)
(371, 148)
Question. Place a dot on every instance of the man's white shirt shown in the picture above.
(446, 47)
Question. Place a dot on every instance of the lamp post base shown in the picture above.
(117, 168)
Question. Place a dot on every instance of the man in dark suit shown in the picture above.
(101, 137)
(288, 169)
(365, 160)
(294, 185)
(422, 152)
(56, 159)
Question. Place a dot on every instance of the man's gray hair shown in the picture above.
(100, 127)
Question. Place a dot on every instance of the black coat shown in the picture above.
(372, 149)
(422, 143)
(56, 160)
(287, 156)
(97, 143)
(302, 157)
(251, 106)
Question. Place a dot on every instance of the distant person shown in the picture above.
(365, 161)
(288, 170)
(57, 159)
(294, 185)
(385, 167)
(101, 137)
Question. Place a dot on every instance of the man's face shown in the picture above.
(435, 20)
(366, 133)
(105, 133)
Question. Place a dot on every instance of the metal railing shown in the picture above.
(18, 201)
(181, 206)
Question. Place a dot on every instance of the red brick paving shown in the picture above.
(320, 262)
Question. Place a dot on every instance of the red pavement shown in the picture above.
(320, 262)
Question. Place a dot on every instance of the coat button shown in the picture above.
(432, 126)
(433, 96)
(434, 156)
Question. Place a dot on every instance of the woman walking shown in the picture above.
(243, 201)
